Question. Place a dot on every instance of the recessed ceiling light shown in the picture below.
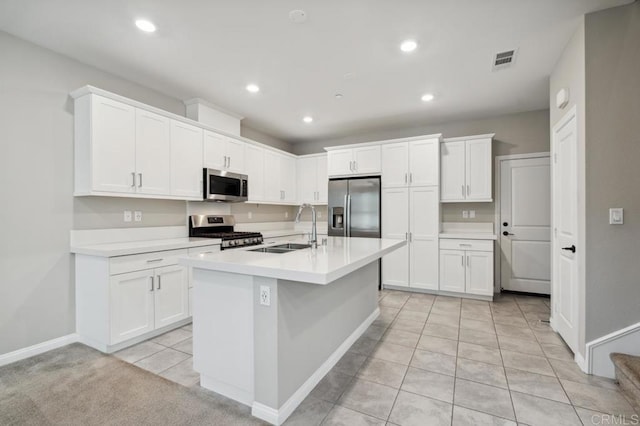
(408, 46)
(253, 88)
(427, 97)
(338, 95)
(298, 16)
(146, 26)
(307, 119)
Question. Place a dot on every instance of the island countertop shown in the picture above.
(323, 265)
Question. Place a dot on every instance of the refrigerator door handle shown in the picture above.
(348, 224)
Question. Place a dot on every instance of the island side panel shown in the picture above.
(223, 333)
(315, 320)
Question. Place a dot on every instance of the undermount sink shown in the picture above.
(281, 248)
(292, 246)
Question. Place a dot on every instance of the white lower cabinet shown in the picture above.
(411, 214)
(122, 300)
(466, 266)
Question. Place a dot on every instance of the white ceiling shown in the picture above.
(213, 48)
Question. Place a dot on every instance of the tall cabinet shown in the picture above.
(411, 211)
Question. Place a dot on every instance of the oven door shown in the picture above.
(220, 185)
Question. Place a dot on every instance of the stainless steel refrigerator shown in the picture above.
(354, 207)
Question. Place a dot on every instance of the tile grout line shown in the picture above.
(513, 406)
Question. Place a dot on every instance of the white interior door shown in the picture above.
(566, 254)
(525, 216)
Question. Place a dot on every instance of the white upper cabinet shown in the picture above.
(288, 178)
(153, 153)
(186, 161)
(254, 168)
(466, 169)
(105, 146)
(223, 153)
(354, 161)
(413, 163)
(312, 179)
(279, 178)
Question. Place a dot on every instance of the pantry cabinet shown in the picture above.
(466, 266)
(354, 161)
(466, 169)
(223, 153)
(312, 179)
(124, 299)
(411, 163)
(411, 214)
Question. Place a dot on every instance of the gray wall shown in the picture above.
(36, 183)
(520, 133)
(569, 73)
(264, 138)
(612, 172)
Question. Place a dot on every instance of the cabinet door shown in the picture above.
(153, 153)
(272, 188)
(171, 295)
(424, 226)
(214, 154)
(395, 225)
(395, 165)
(424, 161)
(131, 305)
(478, 170)
(288, 178)
(186, 161)
(307, 180)
(322, 185)
(479, 273)
(340, 162)
(113, 145)
(236, 155)
(452, 173)
(367, 160)
(452, 270)
(254, 167)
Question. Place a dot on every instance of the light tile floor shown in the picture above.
(434, 360)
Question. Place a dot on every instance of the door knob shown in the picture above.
(572, 249)
(505, 233)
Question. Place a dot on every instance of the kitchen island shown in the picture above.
(267, 327)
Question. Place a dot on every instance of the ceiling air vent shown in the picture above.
(504, 59)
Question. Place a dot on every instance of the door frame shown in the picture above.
(497, 199)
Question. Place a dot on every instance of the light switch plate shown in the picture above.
(127, 216)
(616, 216)
(472, 214)
(137, 216)
(465, 214)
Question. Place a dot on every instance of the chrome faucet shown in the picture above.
(314, 232)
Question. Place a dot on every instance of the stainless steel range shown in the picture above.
(204, 226)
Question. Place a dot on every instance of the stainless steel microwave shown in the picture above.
(223, 186)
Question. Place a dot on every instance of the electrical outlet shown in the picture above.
(137, 216)
(127, 216)
(249, 215)
(472, 214)
(286, 215)
(265, 295)
(465, 214)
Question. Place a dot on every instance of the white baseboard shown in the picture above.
(37, 349)
(626, 340)
(582, 363)
(226, 389)
(279, 416)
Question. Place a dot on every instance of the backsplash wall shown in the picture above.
(452, 212)
(108, 212)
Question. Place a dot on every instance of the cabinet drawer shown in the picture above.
(204, 249)
(475, 245)
(139, 262)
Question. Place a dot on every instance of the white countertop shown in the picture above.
(468, 231)
(323, 265)
(136, 247)
(468, 235)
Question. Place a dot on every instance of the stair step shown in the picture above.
(628, 376)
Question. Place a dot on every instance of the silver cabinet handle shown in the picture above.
(464, 245)
(158, 282)
(468, 190)
(468, 264)
(355, 166)
(229, 165)
(348, 215)
(351, 165)
(462, 261)
(140, 180)
(410, 177)
(133, 179)
(406, 236)
(151, 289)
(154, 260)
(405, 178)
(462, 187)
(345, 225)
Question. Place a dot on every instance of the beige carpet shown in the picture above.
(76, 385)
